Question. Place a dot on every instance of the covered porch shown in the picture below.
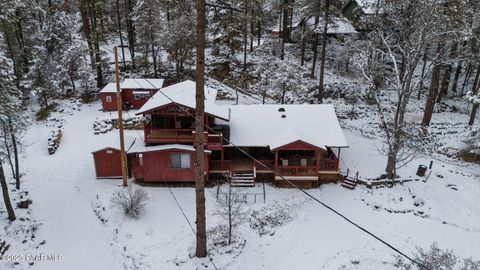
(300, 159)
(172, 125)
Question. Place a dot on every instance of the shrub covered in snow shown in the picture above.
(438, 259)
(268, 218)
(130, 200)
(473, 142)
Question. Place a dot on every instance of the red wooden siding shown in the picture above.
(108, 106)
(157, 168)
(128, 96)
(108, 163)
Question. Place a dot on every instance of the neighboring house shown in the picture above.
(356, 10)
(337, 27)
(299, 143)
(135, 93)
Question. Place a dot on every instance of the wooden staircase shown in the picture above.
(243, 179)
(349, 182)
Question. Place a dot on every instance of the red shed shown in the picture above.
(108, 96)
(164, 163)
(135, 93)
(107, 160)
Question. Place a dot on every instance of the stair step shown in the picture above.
(243, 175)
(242, 184)
(351, 182)
(349, 186)
(242, 180)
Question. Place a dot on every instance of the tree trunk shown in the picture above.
(259, 33)
(475, 82)
(420, 88)
(87, 31)
(6, 197)
(445, 83)
(468, 73)
(458, 71)
(473, 114)
(286, 30)
(432, 95)
(154, 56)
(7, 147)
(245, 37)
(119, 24)
(302, 45)
(251, 31)
(15, 154)
(130, 31)
(201, 247)
(321, 86)
(315, 50)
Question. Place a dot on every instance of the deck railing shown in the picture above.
(297, 170)
(169, 135)
(179, 136)
(328, 165)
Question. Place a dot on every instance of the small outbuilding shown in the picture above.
(108, 96)
(107, 160)
(135, 93)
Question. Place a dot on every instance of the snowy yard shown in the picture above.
(75, 219)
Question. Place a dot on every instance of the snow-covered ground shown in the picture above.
(73, 217)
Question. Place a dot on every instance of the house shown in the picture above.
(337, 27)
(135, 93)
(107, 160)
(357, 10)
(300, 143)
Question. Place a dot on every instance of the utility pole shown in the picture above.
(120, 120)
(201, 248)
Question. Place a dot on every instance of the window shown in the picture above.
(141, 96)
(109, 151)
(109, 98)
(140, 159)
(180, 161)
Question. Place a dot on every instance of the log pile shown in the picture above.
(54, 141)
(102, 126)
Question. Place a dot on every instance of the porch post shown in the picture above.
(276, 162)
(221, 159)
(317, 155)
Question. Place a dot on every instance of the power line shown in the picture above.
(176, 200)
(299, 188)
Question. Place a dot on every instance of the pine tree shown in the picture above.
(10, 100)
(148, 22)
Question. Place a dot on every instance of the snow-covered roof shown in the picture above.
(183, 93)
(109, 88)
(114, 143)
(339, 25)
(263, 125)
(369, 6)
(139, 147)
(142, 84)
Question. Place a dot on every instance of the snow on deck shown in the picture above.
(263, 125)
(184, 94)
